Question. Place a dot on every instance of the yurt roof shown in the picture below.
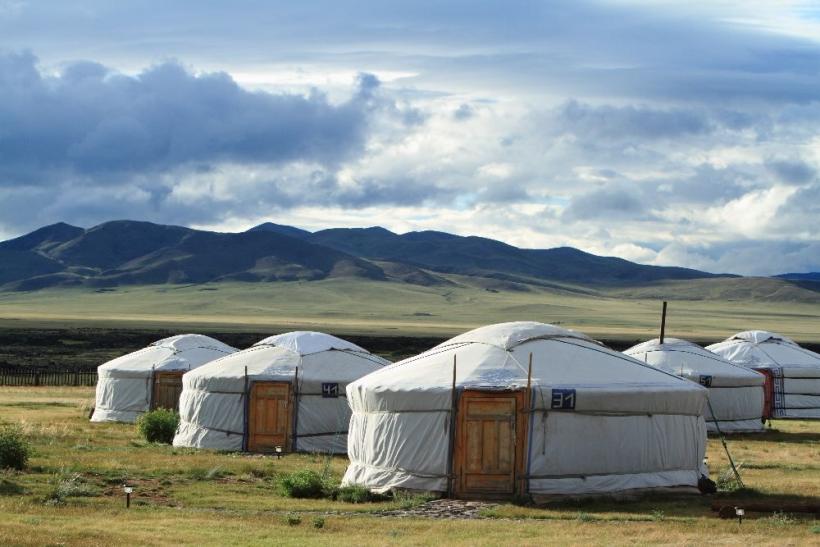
(760, 337)
(180, 352)
(185, 342)
(509, 335)
(308, 342)
(765, 349)
(496, 357)
(277, 357)
(689, 359)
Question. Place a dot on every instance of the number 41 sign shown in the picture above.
(563, 399)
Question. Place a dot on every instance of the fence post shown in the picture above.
(36, 378)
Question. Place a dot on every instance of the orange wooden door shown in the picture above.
(167, 388)
(269, 417)
(489, 445)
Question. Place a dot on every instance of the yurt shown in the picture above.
(793, 373)
(735, 392)
(285, 393)
(594, 420)
(151, 377)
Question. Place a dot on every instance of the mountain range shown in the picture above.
(137, 253)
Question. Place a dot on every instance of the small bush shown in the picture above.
(409, 500)
(319, 522)
(585, 517)
(727, 481)
(158, 426)
(303, 484)
(293, 520)
(354, 494)
(779, 518)
(67, 487)
(14, 448)
(201, 474)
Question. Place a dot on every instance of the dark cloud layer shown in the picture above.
(630, 122)
(92, 122)
(611, 202)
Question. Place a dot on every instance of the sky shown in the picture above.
(667, 133)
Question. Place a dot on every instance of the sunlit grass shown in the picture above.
(369, 307)
(186, 496)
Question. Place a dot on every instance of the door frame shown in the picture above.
(155, 377)
(521, 434)
(289, 432)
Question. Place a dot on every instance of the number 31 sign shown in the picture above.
(563, 399)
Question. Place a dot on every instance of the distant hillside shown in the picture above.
(478, 256)
(764, 289)
(132, 253)
(141, 253)
(809, 276)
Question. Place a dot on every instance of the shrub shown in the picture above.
(318, 522)
(201, 474)
(158, 426)
(585, 517)
(353, 494)
(67, 487)
(409, 500)
(303, 484)
(293, 519)
(14, 448)
(356, 493)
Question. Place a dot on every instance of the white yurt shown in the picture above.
(794, 372)
(151, 377)
(735, 393)
(287, 391)
(594, 421)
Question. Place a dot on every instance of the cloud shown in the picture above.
(792, 171)
(615, 127)
(629, 122)
(91, 122)
(463, 112)
(610, 202)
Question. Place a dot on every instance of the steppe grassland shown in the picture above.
(189, 497)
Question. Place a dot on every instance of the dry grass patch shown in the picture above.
(187, 497)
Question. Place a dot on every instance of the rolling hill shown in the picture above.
(127, 253)
(478, 256)
(139, 253)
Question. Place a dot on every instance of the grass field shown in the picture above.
(353, 306)
(71, 495)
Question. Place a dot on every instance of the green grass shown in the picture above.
(355, 306)
(72, 494)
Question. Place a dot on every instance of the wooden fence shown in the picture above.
(27, 376)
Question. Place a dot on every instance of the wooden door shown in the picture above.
(167, 388)
(489, 448)
(269, 417)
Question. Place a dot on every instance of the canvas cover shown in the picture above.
(735, 393)
(632, 426)
(795, 370)
(124, 384)
(212, 404)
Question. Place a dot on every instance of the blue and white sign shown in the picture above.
(330, 390)
(563, 399)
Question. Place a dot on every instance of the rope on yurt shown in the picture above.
(452, 436)
(245, 412)
(524, 488)
(725, 447)
(294, 416)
